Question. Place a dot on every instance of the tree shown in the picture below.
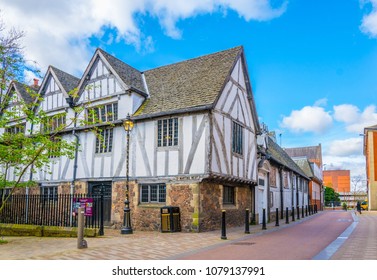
(331, 196)
(12, 60)
(24, 150)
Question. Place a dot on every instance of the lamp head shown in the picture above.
(128, 124)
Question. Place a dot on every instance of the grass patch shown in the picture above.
(2, 241)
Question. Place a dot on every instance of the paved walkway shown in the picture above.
(361, 244)
(159, 246)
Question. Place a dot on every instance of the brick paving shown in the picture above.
(362, 243)
(159, 246)
(114, 246)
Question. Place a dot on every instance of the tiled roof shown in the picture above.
(280, 156)
(304, 164)
(24, 91)
(68, 81)
(193, 83)
(130, 76)
(312, 152)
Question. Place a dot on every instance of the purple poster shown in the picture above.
(86, 203)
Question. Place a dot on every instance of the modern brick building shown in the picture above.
(370, 152)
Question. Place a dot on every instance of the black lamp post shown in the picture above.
(127, 229)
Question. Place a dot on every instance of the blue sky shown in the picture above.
(312, 64)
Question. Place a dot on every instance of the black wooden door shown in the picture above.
(97, 189)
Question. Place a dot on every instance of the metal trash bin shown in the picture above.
(170, 219)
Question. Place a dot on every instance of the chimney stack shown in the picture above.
(36, 81)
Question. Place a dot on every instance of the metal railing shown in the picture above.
(50, 210)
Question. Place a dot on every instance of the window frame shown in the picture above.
(102, 113)
(168, 132)
(104, 141)
(229, 195)
(146, 198)
(237, 138)
(49, 193)
(16, 128)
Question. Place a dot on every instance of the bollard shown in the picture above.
(306, 210)
(298, 212)
(302, 212)
(315, 208)
(223, 226)
(286, 216)
(293, 213)
(264, 219)
(81, 242)
(247, 229)
(277, 218)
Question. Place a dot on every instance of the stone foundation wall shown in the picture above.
(211, 202)
(200, 206)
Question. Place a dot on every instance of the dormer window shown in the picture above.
(54, 123)
(102, 113)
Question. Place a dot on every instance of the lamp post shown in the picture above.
(127, 229)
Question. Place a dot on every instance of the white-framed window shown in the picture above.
(55, 147)
(102, 113)
(237, 139)
(152, 193)
(14, 129)
(104, 141)
(54, 122)
(167, 132)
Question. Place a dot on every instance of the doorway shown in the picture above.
(96, 189)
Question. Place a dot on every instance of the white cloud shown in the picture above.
(346, 148)
(321, 102)
(58, 32)
(369, 21)
(355, 120)
(308, 119)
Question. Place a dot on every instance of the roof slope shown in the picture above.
(129, 75)
(304, 164)
(24, 91)
(280, 156)
(189, 84)
(311, 152)
(68, 81)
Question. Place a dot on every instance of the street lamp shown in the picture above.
(127, 229)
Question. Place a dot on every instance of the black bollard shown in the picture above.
(286, 215)
(264, 219)
(302, 212)
(306, 210)
(315, 208)
(277, 218)
(293, 214)
(247, 229)
(223, 226)
(298, 212)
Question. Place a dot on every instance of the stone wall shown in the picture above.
(212, 205)
(200, 206)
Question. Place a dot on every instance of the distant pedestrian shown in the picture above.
(358, 207)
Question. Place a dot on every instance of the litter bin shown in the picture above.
(170, 219)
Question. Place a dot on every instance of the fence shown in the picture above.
(50, 210)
